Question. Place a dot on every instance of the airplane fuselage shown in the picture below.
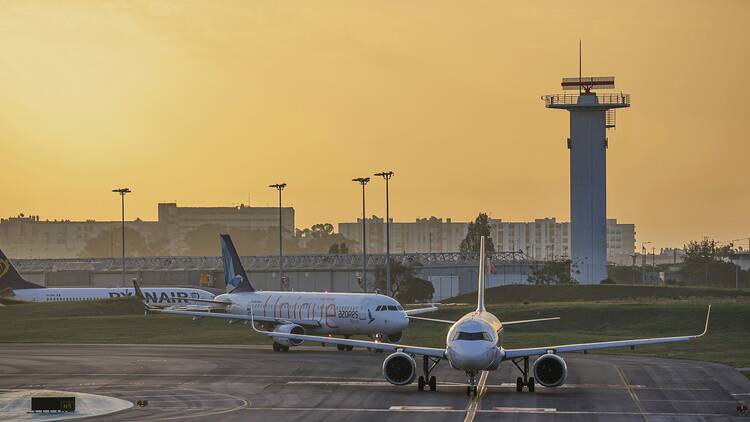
(335, 313)
(474, 342)
(153, 295)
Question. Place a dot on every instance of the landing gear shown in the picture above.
(280, 348)
(427, 380)
(524, 381)
(472, 387)
(340, 347)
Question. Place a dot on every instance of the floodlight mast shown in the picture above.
(590, 115)
(363, 181)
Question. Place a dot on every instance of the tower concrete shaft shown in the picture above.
(588, 179)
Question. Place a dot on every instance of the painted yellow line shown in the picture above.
(474, 401)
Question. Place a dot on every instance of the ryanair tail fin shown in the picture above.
(482, 266)
(234, 274)
(9, 277)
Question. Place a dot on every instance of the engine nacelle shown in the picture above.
(288, 329)
(399, 368)
(550, 370)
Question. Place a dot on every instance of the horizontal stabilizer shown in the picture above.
(421, 310)
(527, 321)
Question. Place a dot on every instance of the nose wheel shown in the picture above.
(427, 380)
(472, 387)
(525, 380)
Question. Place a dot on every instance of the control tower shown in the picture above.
(591, 114)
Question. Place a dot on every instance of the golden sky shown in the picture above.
(208, 102)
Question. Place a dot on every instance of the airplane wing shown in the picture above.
(536, 351)
(203, 314)
(207, 313)
(391, 347)
(420, 310)
(447, 321)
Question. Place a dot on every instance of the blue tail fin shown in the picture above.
(234, 274)
(9, 277)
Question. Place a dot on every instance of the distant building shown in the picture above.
(541, 239)
(31, 237)
(179, 221)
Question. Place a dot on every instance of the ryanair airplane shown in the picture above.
(475, 345)
(14, 288)
(341, 314)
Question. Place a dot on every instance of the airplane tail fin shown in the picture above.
(482, 265)
(9, 277)
(234, 274)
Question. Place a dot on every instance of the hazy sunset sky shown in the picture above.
(206, 103)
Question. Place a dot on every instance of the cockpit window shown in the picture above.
(392, 308)
(399, 307)
(464, 335)
(378, 308)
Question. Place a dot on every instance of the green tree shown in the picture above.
(338, 248)
(552, 273)
(406, 286)
(320, 239)
(109, 244)
(705, 265)
(480, 227)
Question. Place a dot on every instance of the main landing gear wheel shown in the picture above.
(340, 347)
(349, 348)
(426, 379)
(471, 389)
(525, 380)
(280, 348)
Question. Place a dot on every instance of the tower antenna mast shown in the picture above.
(580, 66)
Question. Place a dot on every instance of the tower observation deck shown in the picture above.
(591, 114)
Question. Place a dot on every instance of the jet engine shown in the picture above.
(399, 368)
(550, 370)
(288, 329)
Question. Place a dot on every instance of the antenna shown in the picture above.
(580, 66)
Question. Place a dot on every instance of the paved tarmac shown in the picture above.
(253, 383)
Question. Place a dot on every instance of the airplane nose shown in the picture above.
(470, 355)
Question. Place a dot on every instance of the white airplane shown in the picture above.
(341, 314)
(473, 345)
(14, 288)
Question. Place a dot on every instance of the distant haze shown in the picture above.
(205, 103)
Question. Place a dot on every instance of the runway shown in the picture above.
(253, 383)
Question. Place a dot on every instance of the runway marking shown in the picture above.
(490, 411)
(631, 392)
(740, 394)
(474, 402)
(525, 409)
(422, 408)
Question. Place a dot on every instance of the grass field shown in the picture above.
(122, 321)
(528, 293)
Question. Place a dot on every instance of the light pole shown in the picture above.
(280, 187)
(363, 181)
(643, 261)
(387, 176)
(123, 192)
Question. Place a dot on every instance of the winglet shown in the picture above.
(482, 264)
(705, 329)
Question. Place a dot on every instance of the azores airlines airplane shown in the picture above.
(474, 345)
(342, 314)
(14, 288)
